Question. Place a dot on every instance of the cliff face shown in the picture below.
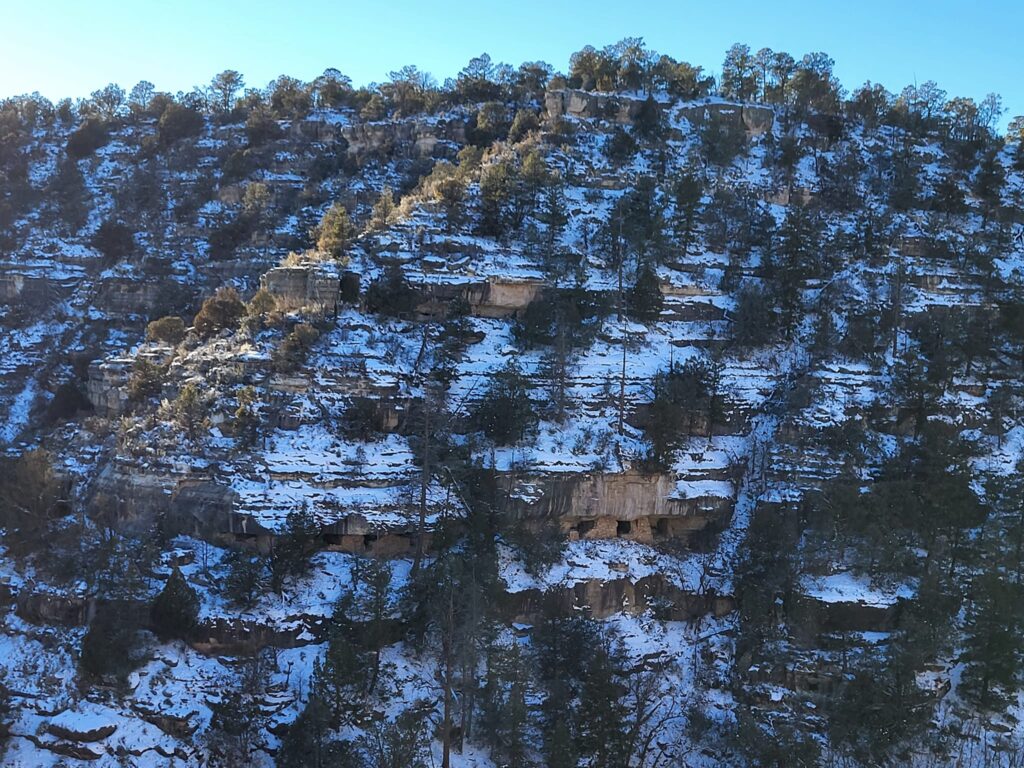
(703, 380)
(622, 109)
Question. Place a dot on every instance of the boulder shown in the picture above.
(80, 726)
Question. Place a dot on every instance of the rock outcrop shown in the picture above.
(314, 286)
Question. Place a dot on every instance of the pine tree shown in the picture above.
(245, 578)
(505, 412)
(309, 742)
(398, 744)
(687, 191)
(496, 183)
(989, 181)
(246, 420)
(602, 714)
(645, 300)
(995, 633)
(505, 716)
(176, 609)
(335, 232)
(948, 197)
(146, 380)
(236, 721)
(30, 497)
(374, 609)
(189, 409)
(110, 648)
(340, 679)
(383, 209)
(292, 547)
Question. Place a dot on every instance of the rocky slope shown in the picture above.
(673, 370)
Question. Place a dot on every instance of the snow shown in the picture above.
(847, 587)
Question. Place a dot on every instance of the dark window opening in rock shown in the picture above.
(661, 527)
(585, 527)
(368, 540)
(623, 527)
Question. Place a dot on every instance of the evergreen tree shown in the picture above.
(189, 409)
(645, 300)
(505, 412)
(880, 711)
(602, 714)
(398, 744)
(797, 261)
(246, 422)
(222, 310)
(754, 320)
(68, 192)
(245, 578)
(335, 232)
(948, 197)
(237, 719)
(111, 647)
(30, 499)
(687, 190)
(175, 610)
(505, 717)
(292, 548)
(739, 73)
(309, 742)
(341, 679)
(995, 637)
(496, 183)
(989, 181)
(383, 209)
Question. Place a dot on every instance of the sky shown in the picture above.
(72, 47)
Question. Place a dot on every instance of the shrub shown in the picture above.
(179, 122)
(114, 240)
(261, 127)
(169, 329)
(225, 239)
(189, 409)
(89, 137)
(222, 310)
(293, 348)
(147, 380)
(261, 305)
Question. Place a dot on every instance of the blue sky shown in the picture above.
(71, 47)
